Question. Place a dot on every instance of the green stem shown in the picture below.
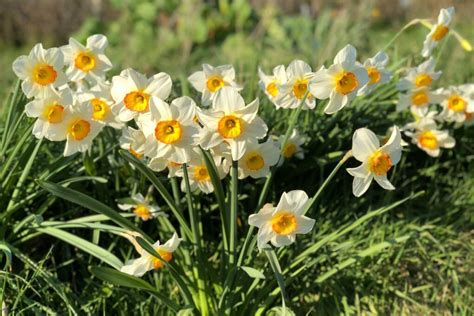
(233, 212)
(407, 26)
(198, 245)
(175, 188)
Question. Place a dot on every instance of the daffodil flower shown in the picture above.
(429, 139)
(133, 140)
(293, 145)
(211, 79)
(134, 93)
(438, 31)
(170, 130)
(376, 71)
(457, 105)
(138, 267)
(51, 110)
(40, 71)
(280, 225)
(257, 160)
(418, 100)
(231, 121)
(341, 81)
(79, 129)
(299, 75)
(161, 163)
(100, 100)
(376, 160)
(86, 62)
(271, 85)
(419, 77)
(141, 208)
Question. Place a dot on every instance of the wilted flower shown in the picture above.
(86, 62)
(231, 121)
(147, 262)
(279, 225)
(438, 31)
(341, 81)
(299, 74)
(141, 207)
(212, 79)
(134, 93)
(41, 71)
(376, 160)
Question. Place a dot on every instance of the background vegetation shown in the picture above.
(414, 259)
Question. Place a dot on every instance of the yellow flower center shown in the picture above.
(272, 89)
(254, 161)
(299, 88)
(423, 80)
(54, 113)
(214, 83)
(44, 74)
(168, 132)
(284, 223)
(380, 163)
(289, 150)
(143, 212)
(456, 103)
(165, 255)
(137, 101)
(135, 153)
(428, 140)
(201, 174)
(230, 126)
(374, 75)
(100, 109)
(79, 129)
(85, 61)
(346, 82)
(419, 98)
(440, 32)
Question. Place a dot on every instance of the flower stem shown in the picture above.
(233, 212)
(407, 26)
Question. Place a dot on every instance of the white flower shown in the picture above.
(141, 208)
(299, 75)
(212, 79)
(199, 177)
(293, 145)
(170, 130)
(418, 100)
(79, 129)
(86, 62)
(134, 93)
(161, 163)
(257, 160)
(457, 104)
(50, 110)
(100, 100)
(376, 71)
(376, 160)
(133, 140)
(41, 71)
(280, 224)
(341, 81)
(438, 31)
(147, 262)
(428, 138)
(421, 76)
(271, 85)
(231, 121)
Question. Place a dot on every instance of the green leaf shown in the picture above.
(253, 273)
(91, 204)
(84, 245)
(8, 253)
(123, 279)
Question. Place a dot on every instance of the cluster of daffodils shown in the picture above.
(431, 108)
(72, 100)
